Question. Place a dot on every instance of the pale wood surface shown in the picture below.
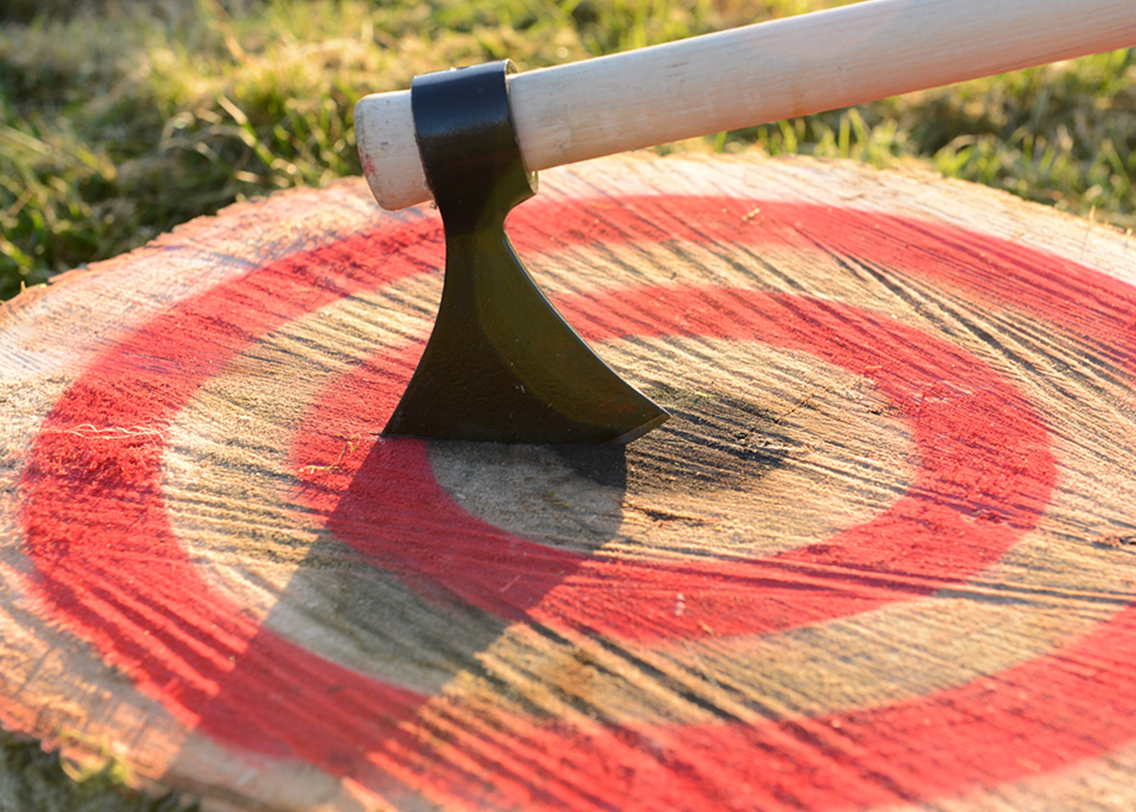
(755, 74)
(779, 452)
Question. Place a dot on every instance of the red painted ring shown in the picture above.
(984, 476)
(90, 577)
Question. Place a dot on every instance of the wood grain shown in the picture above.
(883, 556)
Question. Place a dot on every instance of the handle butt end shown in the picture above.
(384, 131)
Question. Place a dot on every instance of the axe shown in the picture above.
(501, 364)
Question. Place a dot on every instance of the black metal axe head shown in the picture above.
(501, 365)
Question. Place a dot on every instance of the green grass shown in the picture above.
(34, 781)
(119, 120)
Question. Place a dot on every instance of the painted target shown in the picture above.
(883, 555)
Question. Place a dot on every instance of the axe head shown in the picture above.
(501, 365)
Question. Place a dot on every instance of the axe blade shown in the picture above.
(502, 365)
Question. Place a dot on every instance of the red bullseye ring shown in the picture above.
(985, 475)
(96, 528)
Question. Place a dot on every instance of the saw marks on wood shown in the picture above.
(881, 557)
(719, 480)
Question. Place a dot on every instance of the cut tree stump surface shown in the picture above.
(882, 557)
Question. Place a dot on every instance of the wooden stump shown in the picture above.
(883, 556)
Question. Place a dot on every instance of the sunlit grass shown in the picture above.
(120, 119)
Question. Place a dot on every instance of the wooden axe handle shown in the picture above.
(752, 75)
